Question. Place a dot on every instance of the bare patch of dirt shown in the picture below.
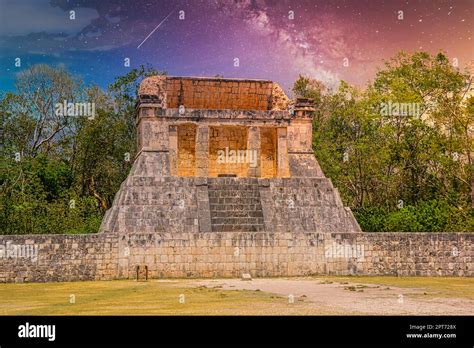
(351, 297)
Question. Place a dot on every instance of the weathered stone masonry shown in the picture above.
(107, 256)
(178, 183)
(183, 213)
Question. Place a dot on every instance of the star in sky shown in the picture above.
(275, 40)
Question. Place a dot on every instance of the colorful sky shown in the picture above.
(272, 39)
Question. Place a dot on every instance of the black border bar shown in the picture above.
(242, 330)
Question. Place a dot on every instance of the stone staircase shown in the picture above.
(235, 205)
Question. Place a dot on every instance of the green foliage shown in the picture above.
(428, 216)
(309, 88)
(60, 174)
(371, 218)
(37, 197)
(124, 89)
(422, 159)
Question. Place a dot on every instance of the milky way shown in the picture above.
(277, 40)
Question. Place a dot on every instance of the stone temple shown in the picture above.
(225, 155)
(225, 183)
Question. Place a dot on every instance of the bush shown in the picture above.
(427, 216)
(371, 219)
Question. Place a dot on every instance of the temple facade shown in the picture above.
(221, 155)
(225, 183)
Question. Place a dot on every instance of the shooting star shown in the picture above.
(156, 28)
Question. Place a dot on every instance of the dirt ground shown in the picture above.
(364, 296)
(262, 296)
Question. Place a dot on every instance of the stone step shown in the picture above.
(237, 220)
(235, 205)
(232, 180)
(238, 228)
(230, 188)
(238, 213)
(234, 193)
(234, 201)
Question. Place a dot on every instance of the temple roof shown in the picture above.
(213, 93)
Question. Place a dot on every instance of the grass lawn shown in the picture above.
(126, 297)
(190, 297)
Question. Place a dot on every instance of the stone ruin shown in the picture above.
(194, 206)
(224, 155)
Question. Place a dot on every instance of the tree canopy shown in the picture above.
(59, 173)
(400, 171)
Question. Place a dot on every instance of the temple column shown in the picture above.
(283, 169)
(253, 145)
(202, 151)
(173, 149)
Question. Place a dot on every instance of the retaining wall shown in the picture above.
(106, 256)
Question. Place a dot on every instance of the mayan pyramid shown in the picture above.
(222, 155)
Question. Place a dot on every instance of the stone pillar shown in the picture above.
(253, 145)
(145, 114)
(300, 130)
(203, 208)
(202, 151)
(173, 149)
(283, 169)
(301, 157)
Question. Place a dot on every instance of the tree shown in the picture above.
(39, 89)
(59, 174)
(389, 165)
(309, 88)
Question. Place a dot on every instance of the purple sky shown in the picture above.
(269, 40)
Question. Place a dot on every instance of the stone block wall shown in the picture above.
(226, 139)
(304, 205)
(154, 204)
(229, 254)
(153, 135)
(186, 148)
(53, 258)
(300, 135)
(182, 204)
(214, 93)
